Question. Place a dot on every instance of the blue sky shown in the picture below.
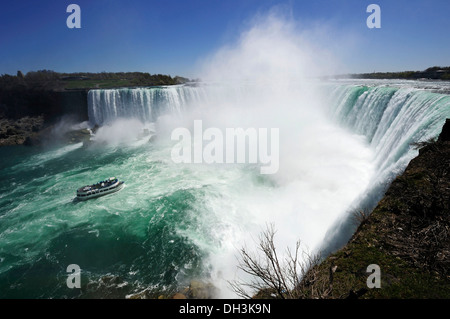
(173, 36)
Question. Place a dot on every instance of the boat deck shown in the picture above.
(97, 186)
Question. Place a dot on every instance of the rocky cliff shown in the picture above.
(27, 114)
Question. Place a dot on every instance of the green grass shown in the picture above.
(399, 278)
(101, 84)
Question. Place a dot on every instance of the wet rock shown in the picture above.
(152, 138)
(201, 290)
(95, 128)
(139, 295)
(16, 132)
(77, 136)
(445, 134)
(32, 141)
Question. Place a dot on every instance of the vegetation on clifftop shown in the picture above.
(433, 73)
(50, 80)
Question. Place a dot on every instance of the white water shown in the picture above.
(392, 116)
(141, 103)
(338, 152)
(341, 143)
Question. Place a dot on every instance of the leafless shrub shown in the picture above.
(291, 278)
(360, 216)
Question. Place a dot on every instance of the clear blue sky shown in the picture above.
(171, 37)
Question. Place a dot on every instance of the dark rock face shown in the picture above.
(77, 136)
(25, 114)
(445, 134)
(16, 132)
(17, 103)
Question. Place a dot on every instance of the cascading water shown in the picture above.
(392, 116)
(145, 104)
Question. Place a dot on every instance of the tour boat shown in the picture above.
(105, 187)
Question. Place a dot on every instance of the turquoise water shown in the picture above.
(172, 223)
(131, 236)
(155, 233)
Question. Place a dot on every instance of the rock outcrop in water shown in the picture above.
(407, 235)
(14, 132)
(196, 290)
(68, 137)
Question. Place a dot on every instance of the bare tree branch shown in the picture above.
(291, 278)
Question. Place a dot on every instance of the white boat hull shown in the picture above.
(99, 192)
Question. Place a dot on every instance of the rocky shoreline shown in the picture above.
(33, 131)
(17, 132)
(196, 290)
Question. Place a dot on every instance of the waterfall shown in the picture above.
(145, 104)
(392, 118)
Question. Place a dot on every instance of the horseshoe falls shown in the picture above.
(341, 144)
(392, 116)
